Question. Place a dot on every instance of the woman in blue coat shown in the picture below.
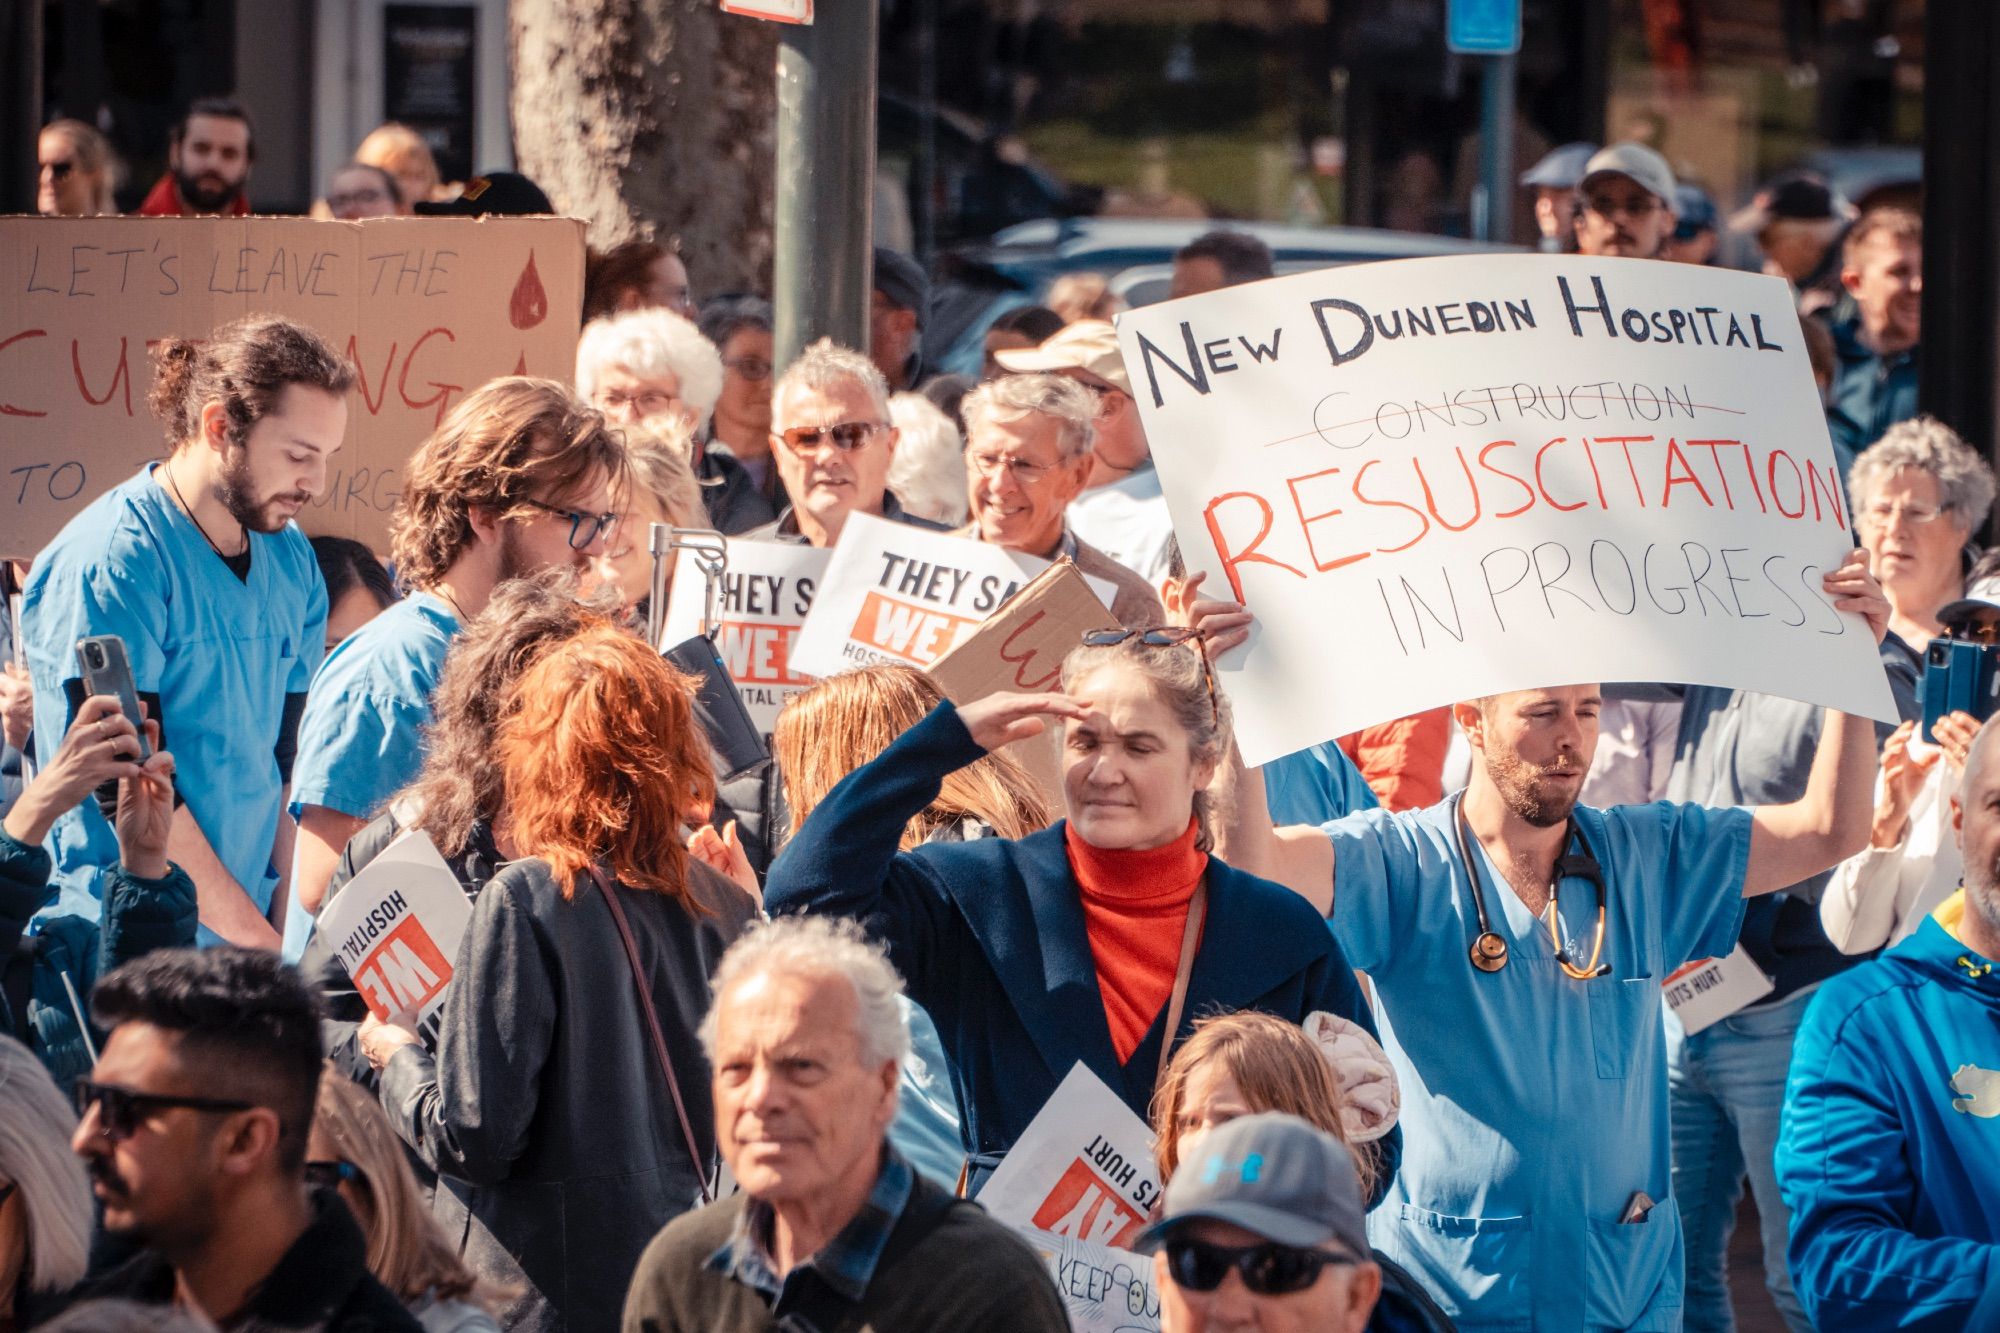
(1066, 946)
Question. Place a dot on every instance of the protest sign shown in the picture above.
(1104, 1290)
(1022, 648)
(1441, 478)
(396, 928)
(1082, 1169)
(427, 309)
(765, 596)
(897, 593)
(1706, 991)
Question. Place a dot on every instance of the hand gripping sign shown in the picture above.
(396, 927)
(1436, 479)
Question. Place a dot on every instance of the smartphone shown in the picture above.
(1960, 678)
(107, 670)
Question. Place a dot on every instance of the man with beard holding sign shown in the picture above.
(1517, 942)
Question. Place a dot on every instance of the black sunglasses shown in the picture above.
(1162, 636)
(1267, 1270)
(119, 1110)
(59, 171)
(583, 528)
(330, 1175)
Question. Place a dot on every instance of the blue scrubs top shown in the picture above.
(221, 652)
(1315, 785)
(1535, 1106)
(362, 737)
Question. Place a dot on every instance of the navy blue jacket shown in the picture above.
(989, 936)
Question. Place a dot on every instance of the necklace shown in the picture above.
(188, 509)
(445, 597)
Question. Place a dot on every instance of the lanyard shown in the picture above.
(1489, 950)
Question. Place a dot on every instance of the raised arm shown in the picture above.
(1831, 821)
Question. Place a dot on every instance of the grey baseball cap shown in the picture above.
(1635, 162)
(1273, 1174)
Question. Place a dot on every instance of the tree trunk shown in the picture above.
(653, 118)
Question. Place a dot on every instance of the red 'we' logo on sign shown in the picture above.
(404, 972)
(1083, 1204)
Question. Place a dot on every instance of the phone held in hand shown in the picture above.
(106, 669)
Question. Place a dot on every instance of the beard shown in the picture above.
(1982, 892)
(238, 493)
(207, 193)
(1527, 791)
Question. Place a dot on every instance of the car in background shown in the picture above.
(977, 283)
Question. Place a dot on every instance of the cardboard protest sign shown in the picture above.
(1104, 1290)
(427, 309)
(396, 928)
(765, 597)
(1022, 648)
(1441, 478)
(896, 593)
(1082, 1169)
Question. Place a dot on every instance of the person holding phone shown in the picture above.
(197, 565)
(149, 902)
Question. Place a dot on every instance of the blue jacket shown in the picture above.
(1889, 1156)
(989, 936)
(1870, 393)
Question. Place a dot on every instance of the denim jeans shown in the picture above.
(1726, 1088)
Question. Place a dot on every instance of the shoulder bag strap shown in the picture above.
(1190, 945)
(653, 1027)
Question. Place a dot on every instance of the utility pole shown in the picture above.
(20, 103)
(1491, 30)
(823, 270)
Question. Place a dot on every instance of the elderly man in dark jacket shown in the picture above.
(832, 1229)
(149, 903)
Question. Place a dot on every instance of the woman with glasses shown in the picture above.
(740, 328)
(45, 1205)
(78, 171)
(1918, 493)
(354, 1152)
(1099, 940)
(563, 1106)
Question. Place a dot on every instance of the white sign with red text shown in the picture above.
(1105, 1290)
(1082, 1169)
(1709, 990)
(396, 927)
(765, 596)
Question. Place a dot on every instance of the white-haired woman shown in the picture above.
(1918, 493)
(45, 1209)
(643, 365)
(928, 472)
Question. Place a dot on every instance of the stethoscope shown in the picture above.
(1489, 951)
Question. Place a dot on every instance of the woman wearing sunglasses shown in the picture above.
(1099, 940)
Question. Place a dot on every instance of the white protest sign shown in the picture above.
(765, 597)
(1082, 1169)
(1708, 990)
(1104, 1290)
(1441, 478)
(396, 927)
(901, 594)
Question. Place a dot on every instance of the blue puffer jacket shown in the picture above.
(140, 915)
(1889, 1156)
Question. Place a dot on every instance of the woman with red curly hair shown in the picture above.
(544, 1109)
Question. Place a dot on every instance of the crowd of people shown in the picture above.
(741, 1051)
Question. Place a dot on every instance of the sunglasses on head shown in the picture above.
(119, 1110)
(846, 437)
(1268, 1269)
(1162, 636)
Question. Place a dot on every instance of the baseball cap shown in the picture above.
(1981, 596)
(1798, 196)
(1635, 162)
(902, 280)
(1089, 345)
(1560, 168)
(497, 193)
(1273, 1174)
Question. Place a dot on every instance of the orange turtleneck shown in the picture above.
(1135, 906)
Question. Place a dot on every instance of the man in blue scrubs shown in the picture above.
(197, 565)
(519, 478)
(1535, 1190)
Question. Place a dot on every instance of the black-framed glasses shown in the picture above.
(119, 1110)
(1162, 636)
(1269, 1269)
(332, 1174)
(847, 436)
(584, 529)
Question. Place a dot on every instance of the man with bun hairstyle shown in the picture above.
(197, 565)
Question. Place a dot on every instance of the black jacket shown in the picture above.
(544, 1112)
(730, 494)
(321, 1283)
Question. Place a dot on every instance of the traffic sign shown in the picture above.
(1483, 27)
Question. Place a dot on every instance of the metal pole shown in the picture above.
(1493, 212)
(823, 270)
(20, 103)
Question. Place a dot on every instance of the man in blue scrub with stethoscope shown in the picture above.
(197, 565)
(1517, 943)
(518, 479)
